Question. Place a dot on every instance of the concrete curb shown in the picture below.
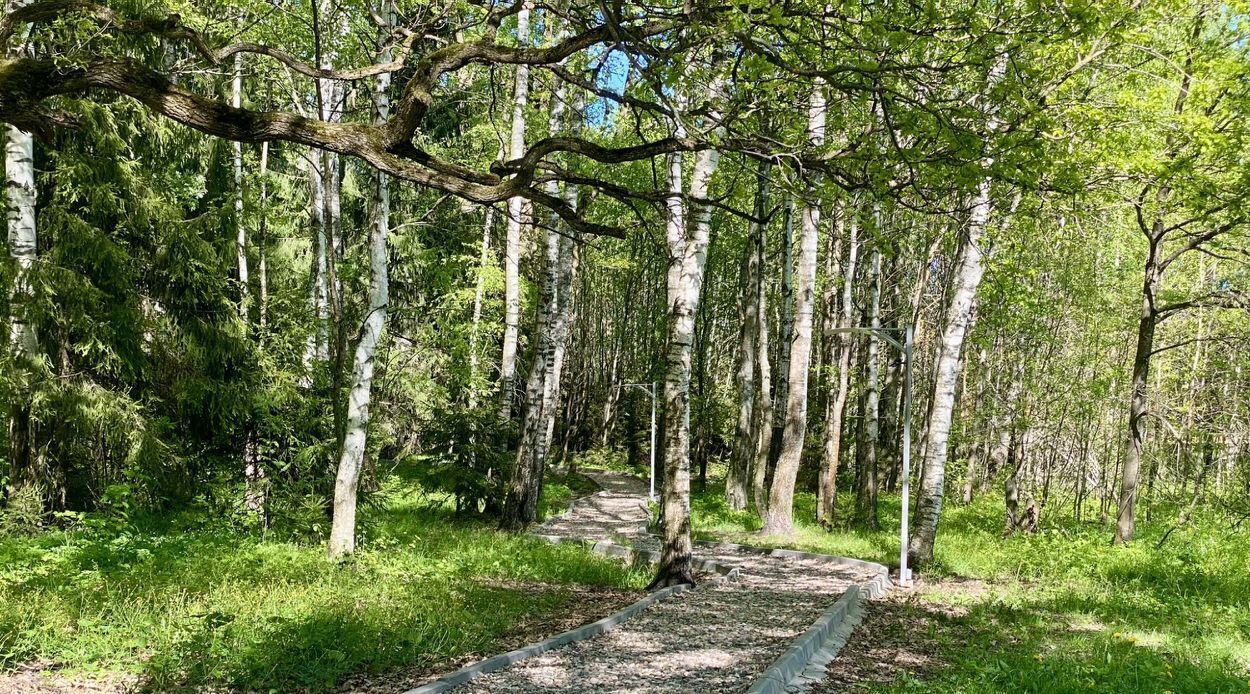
(796, 663)
(499, 662)
(818, 667)
(875, 587)
(794, 660)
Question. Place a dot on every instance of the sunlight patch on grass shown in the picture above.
(186, 602)
(1061, 610)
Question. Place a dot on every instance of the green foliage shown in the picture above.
(187, 600)
(1060, 610)
(468, 458)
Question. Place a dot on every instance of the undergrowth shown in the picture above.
(1060, 610)
(186, 601)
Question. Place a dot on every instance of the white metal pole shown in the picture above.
(653, 407)
(904, 573)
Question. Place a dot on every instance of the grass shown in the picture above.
(1058, 611)
(185, 602)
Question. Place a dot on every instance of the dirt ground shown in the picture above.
(899, 635)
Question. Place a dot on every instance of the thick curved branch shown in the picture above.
(26, 83)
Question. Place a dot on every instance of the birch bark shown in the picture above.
(512, 248)
(21, 194)
(687, 244)
(827, 491)
(749, 336)
(959, 316)
(355, 439)
(779, 518)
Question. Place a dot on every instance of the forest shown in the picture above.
(351, 342)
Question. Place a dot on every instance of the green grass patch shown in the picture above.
(561, 488)
(184, 602)
(1061, 610)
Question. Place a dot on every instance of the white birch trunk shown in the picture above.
(20, 199)
(479, 296)
(319, 340)
(831, 452)
(19, 168)
(866, 451)
(968, 273)
(779, 518)
(542, 385)
(512, 250)
(785, 337)
(763, 409)
(739, 473)
(959, 316)
(240, 232)
(262, 265)
(687, 243)
(355, 439)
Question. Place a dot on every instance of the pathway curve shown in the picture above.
(713, 639)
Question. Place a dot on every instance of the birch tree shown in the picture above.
(20, 200)
(356, 436)
(512, 243)
(750, 293)
(779, 517)
(831, 450)
(869, 424)
(969, 269)
(687, 238)
(543, 383)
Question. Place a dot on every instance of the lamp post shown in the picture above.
(904, 573)
(650, 389)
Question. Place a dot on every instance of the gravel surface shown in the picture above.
(712, 639)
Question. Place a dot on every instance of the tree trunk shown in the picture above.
(779, 519)
(762, 420)
(318, 349)
(1146, 326)
(958, 317)
(866, 451)
(262, 263)
(19, 173)
(240, 239)
(736, 478)
(512, 250)
(355, 438)
(827, 493)
(479, 295)
(785, 337)
(19, 167)
(687, 243)
(543, 384)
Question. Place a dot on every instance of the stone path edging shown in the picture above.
(817, 667)
(597, 522)
(777, 678)
(875, 588)
(499, 662)
(495, 663)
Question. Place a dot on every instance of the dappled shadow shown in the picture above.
(947, 639)
(194, 604)
(716, 638)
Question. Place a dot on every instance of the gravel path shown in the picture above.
(712, 639)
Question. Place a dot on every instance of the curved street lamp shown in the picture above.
(904, 573)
